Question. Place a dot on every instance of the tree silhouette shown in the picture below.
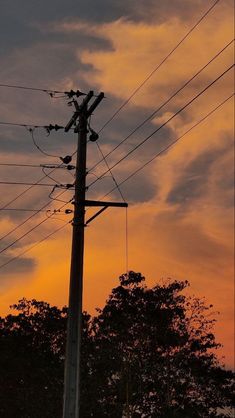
(150, 352)
(155, 354)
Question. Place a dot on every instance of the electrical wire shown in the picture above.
(159, 65)
(130, 176)
(31, 88)
(25, 191)
(170, 145)
(24, 125)
(111, 173)
(20, 165)
(31, 131)
(67, 167)
(127, 242)
(21, 183)
(32, 210)
(106, 163)
(33, 246)
(165, 123)
(150, 117)
(29, 231)
(48, 175)
(27, 219)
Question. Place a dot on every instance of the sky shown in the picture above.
(181, 205)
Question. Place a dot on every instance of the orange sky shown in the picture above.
(180, 216)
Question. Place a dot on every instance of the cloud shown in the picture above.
(180, 216)
(16, 268)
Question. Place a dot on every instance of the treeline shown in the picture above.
(150, 352)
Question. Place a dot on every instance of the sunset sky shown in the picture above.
(180, 216)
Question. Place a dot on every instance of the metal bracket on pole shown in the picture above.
(95, 215)
(105, 205)
(79, 110)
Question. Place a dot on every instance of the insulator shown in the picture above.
(94, 136)
(67, 159)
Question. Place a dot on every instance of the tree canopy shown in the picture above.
(150, 352)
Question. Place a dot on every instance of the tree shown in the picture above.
(155, 354)
(31, 359)
(150, 352)
(32, 351)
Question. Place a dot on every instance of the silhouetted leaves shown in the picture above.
(150, 352)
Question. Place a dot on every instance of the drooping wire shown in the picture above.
(127, 243)
(159, 65)
(153, 114)
(56, 198)
(25, 191)
(31, 131)
(27, 219)
(131, 175)
(29, 231)
(165, 123)
(48, 175)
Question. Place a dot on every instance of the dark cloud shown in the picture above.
(19, 21)
(18, 266)
(193, 180)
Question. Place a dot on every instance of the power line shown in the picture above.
(27, 219)
(24, 125)
(170, 145)
(30, 230)
(52, 93)
(164, 124)
(111, 173)
(31, 186)
(33, 246)
(164, 103)
(21, 194)
(130, 176)
(31, 131)
(21, 183)
(32, 210)
(31, 88)
(68, 167)
(159, 65)
(20, 165)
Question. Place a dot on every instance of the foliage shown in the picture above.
(150, 352)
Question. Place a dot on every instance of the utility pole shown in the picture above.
(74, 328)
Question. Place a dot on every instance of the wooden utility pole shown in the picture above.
(74, 329)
